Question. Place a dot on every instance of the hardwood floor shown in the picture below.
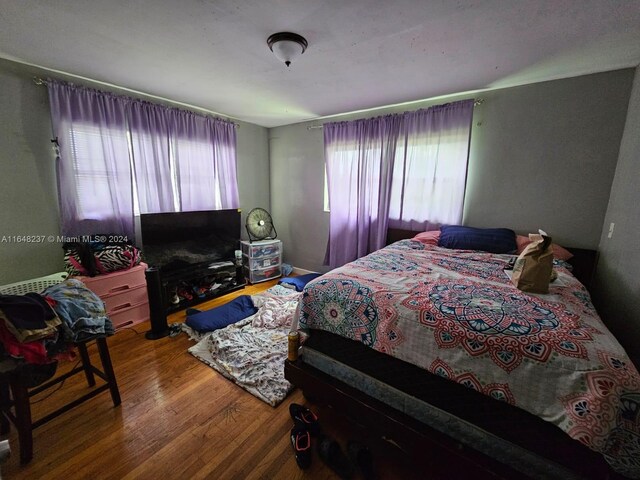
(179, 419)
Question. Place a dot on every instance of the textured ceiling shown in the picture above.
(361, 54)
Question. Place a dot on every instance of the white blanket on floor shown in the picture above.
(252, 352)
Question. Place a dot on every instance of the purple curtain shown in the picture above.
(151, 151)
(224, 163)
(360, 158)
(405, 171)
(119, 156)
(206, 162)
(93, 168)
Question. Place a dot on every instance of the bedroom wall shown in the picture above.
(617, 295)
(27, 180)
(28, 195)
(542, 156)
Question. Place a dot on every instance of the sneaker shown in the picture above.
(184, 293)
(301, 443)
(175, 300)
(301, 415)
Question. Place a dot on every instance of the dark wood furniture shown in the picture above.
(500, 419)
(417, 438)
(15, 394)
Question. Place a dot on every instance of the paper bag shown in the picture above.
(534, 266)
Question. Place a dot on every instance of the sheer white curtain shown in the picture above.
(430, 168)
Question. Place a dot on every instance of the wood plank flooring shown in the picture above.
(179, 419)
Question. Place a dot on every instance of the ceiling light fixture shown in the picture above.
(287, 46)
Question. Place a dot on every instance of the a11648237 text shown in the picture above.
(63, 238)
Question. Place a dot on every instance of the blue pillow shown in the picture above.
(493, 240)
(300, 281)
(222, 316)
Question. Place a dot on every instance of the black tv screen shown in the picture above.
(174, 241)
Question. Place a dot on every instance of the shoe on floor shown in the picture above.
(301, 415)
(331, 454)
(301, 443)
(175, 300)
(360, 456)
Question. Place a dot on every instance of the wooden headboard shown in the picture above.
(583, 262)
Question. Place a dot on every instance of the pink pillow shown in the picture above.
(558, 252)
(428, 238)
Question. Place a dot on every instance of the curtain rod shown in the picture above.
(476, 102)
(41, 81)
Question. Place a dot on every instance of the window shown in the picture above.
(119, 157)
(404, 171)
(427, 186)
(415, 186)
(95, 174)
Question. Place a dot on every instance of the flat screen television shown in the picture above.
(181, 240)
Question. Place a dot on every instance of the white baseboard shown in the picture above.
(302, 271)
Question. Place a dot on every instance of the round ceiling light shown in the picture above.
(287, 46)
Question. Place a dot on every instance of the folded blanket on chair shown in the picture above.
(222, 316)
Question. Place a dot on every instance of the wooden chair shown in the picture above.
(15, 392)
(15, 405)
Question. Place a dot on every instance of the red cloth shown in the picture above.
(51, 301)
(32, 352)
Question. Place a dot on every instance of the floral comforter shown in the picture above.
(456, 314)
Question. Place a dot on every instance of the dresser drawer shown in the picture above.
(116, 282)
(130, 316)
(125, 299)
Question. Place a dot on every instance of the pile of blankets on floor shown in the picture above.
(250, 351)
(39, 328)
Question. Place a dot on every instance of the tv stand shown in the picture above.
(201, 282)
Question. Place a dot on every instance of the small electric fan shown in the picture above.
(260, 225)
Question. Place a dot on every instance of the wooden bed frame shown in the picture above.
(415, 437)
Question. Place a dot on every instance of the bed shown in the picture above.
(435, 348)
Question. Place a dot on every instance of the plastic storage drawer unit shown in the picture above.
(262, 275)
(262, 248)
(262, 260)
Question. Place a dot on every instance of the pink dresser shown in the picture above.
(124, 294)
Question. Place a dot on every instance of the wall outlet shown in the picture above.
(611, 227)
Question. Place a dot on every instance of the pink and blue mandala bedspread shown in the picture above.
(456, 314)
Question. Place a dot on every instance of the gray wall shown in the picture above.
(27, 181)
(297, 194)
(28, 192)
(253, 168)
(618, 274)
(542, 156)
